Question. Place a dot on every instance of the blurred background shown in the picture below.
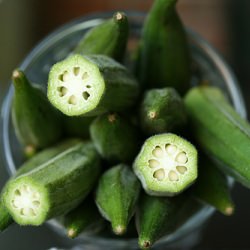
(224, 23)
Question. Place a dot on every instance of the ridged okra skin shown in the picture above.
(116, 196)
(212, 187)
(108, 38)
(91, 85)
(55, 187)
(115, 138)
(166, 165)
(164, 58)
(5, 218)
(156, 217)
(34, 162)
(45, 155)
(220, 131)
(162, 110)
(84, 218)
(37, 124)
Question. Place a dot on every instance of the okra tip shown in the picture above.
(119, 16)
(18, 78)
(16, 74)
(119, 230)
(144, 244)
(229, 210)
(30, 150)
(72, 233)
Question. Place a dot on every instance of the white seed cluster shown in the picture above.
(74, 85)
(168, 162)
(26, 200)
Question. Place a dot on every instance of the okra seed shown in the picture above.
(173, 176)
(157, 152)
(85, 95)
(88, 86)
(181, 158)
(62, 91)
(159, 174)
(171, 149)
(153, 163)
(17, 192)
(60, 77)
(152, 114)
(36, 203)
(72, 100)
(85, 75)
(32, 212)
(22, 211)
(66, 76)
(14, 204)
(181, 169)
(76, 71)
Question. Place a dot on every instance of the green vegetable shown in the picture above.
(45, 155)
(84, 218)
(164, 58)
(91, 85)
(159, 217)
(212, 187)
(155, 218)
(36, 123)
(115, 138)
(166, 165)
(162, 110)
(116, 196)
(5, 218)
(54, 188)
(108, 38)
(222, 132)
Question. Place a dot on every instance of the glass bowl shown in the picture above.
(207, 66)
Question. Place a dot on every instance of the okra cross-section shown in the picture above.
(54, 187)
(166, 164)
(90, 85)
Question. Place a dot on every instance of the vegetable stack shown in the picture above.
(143, 158)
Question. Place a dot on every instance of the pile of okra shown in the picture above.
(135, 150)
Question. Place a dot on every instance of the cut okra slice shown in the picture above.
(166, 165)
(53, 188)
(91, 85)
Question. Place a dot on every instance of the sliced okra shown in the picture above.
(166, 164)
(90, 85)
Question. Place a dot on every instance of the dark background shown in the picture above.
(224, 23)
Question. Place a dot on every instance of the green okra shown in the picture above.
(115, 138)
(108, 38)
(164, 58)
(162, 110)
(220, 131)
(166, 165)
(44, 156)
(32, 163)
(91, 85)
(5, 218)
(36, 123)
(116, 195)
(212, 187)
(156, 217)
(84, 218)
(55, 187)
